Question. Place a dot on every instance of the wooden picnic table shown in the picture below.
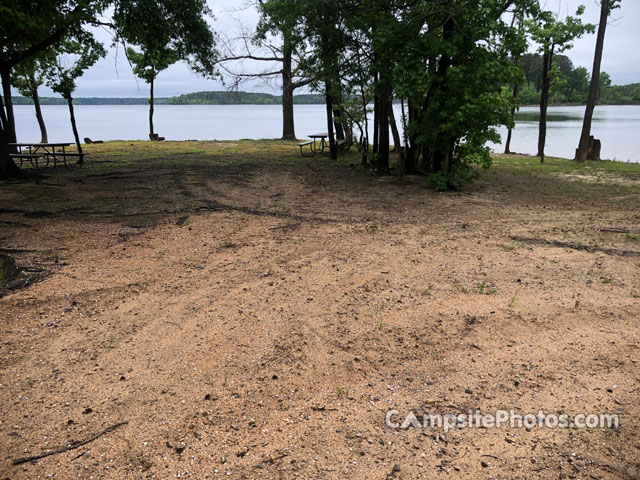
(47, 150)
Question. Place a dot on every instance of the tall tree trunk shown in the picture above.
(73, 125)
(337, 115)
(44, 138)
(10, 125)
(439, 149)
(507, 144)
(8, 169)
(411, 152)
(376, 120)
(332, 139)
(382, 166)
(408, 151)
(517, 15)
(337, 121)
(397, 143)
(365, 146)
(288, 126)
(583, 146)
(151, 132)
(547, 59)
(3, 114)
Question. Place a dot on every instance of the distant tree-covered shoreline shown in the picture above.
(198, 98)
(566, 95)
(571, 84)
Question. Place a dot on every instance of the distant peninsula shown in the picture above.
(198, 98)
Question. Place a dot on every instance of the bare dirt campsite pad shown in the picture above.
(254, 314)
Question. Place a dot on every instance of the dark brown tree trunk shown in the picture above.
(151, 132)
(8, 169)
(332, 139)
(44, 138)
(337, 121)
(382, 165)
(288, 126)
(337, 114)
(583, 146)
(73, 125)
(411, 156)
(376, 122)
(439, 150)
(3, 114)
(547, 59)
(397, 143)
(507, 144)
(10, 124)
(365, 146)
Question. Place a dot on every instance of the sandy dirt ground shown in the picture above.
(259, 320)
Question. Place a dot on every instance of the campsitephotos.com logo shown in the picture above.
(499, 419)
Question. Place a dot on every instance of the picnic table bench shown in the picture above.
(36, 151)
(32, 157)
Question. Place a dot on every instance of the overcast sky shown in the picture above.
(112, 76)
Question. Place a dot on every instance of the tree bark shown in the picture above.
(73, 125)
(332, 140)
(151, 132)
(583, 146)
(376, 120)
(10, 125)
(382, 165)
(365, 146)
(337, 121)
(507, 145)
(288, 126)
(547, 59)
(44, 138)
(337, 115)
(8, 169)
(411, 154)
(397, 143)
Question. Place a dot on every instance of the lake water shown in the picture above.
(617, 126)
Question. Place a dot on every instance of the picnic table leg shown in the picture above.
(31, 159)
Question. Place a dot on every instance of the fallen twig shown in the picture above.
(79, 455)
(72, 446)
(490, 456)
(614, 230)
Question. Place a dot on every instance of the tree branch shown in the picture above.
(249, 57)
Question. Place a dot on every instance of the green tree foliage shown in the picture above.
(28, 76)
(447, 59)
(74, 58)
(163, 34)
(168, 29)
(572, 85)
(553, 36)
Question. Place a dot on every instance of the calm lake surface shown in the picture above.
(617, 126)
